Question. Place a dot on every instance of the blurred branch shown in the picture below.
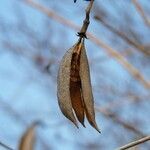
(122, 35)
(116, 119)
(141, 12)
(125, 101)
(52, 14)
(123, 61)
(135, 143)
(118, 103)
(5, 146)
(109, 50)
(11, 111)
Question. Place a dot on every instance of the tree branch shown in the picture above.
(132, 144)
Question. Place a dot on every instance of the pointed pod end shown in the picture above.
(76, 124)
(83, 125)
(71, 117)
(98, 130)
(96, 127)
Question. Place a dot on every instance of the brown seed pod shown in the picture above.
(63, 87)
(87, 89)
(74, 86)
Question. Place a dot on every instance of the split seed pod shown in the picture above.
(75, 96)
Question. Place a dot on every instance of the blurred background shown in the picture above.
(35, 34)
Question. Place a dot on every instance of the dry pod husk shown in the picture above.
(28, 139)
(75, 96)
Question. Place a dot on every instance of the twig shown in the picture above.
(122, 35)
(86, 21)
(110, 51)
(5, 146)
(141, 12)
(132, 144)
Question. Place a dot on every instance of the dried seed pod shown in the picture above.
(28, 139)
(63, 87)
(74, 86)
(87, 89)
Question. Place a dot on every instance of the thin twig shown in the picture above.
(109, 50)
(135, 143)
(141, 12)
(86, 21)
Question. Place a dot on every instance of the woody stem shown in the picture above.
(86, 22)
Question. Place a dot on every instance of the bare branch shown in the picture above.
(135, 143)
